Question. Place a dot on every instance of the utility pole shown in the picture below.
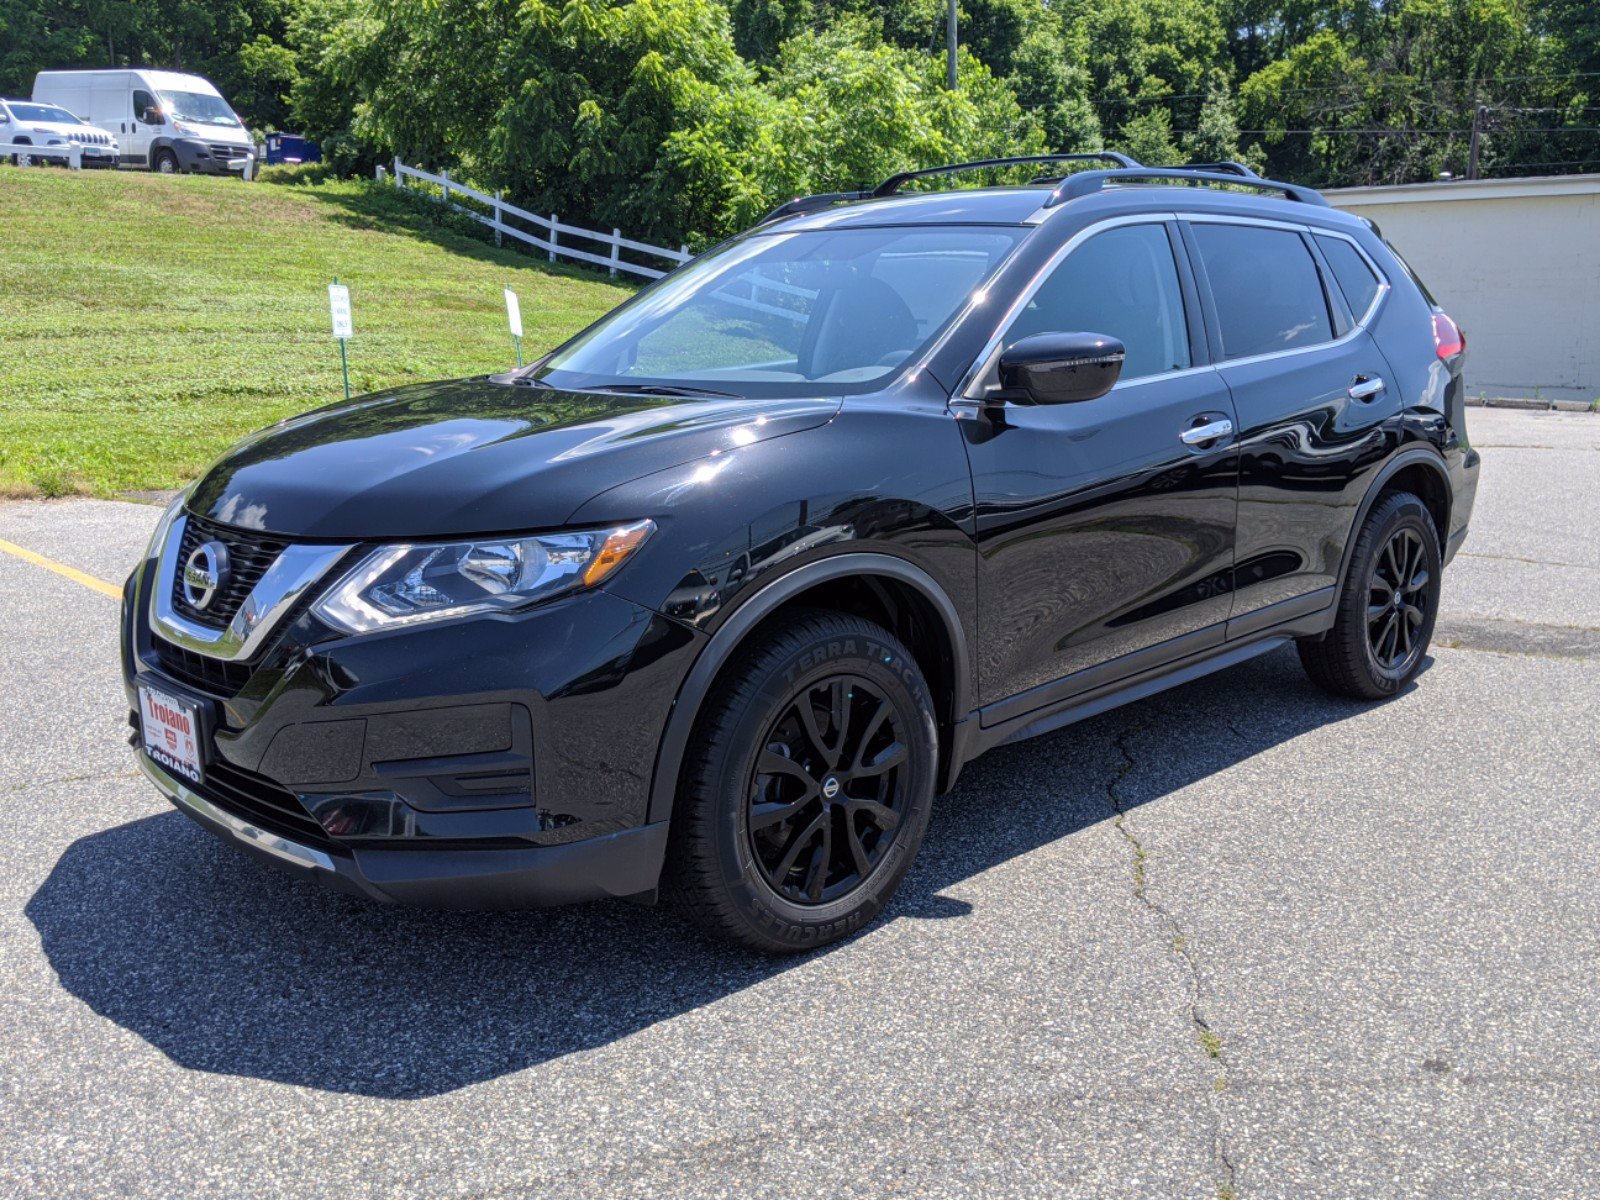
(950, 46)
(1478, 114)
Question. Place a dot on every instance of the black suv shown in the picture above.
(715, 597)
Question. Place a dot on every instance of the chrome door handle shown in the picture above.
(1366, 389)
(1209, 432)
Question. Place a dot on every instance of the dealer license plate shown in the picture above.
(171, 729)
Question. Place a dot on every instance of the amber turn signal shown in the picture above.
(619, 544)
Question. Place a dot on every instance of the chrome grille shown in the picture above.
(249, 556)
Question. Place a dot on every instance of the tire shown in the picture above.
(773, 859)
(22, 159)
(165, 162)
(1387, 608)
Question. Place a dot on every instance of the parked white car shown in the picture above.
(165, 120)
(54, 131)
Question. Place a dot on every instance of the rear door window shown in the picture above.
(1266, 288)
(1356, 280)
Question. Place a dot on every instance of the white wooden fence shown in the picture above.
(500, 214)
(37, 153)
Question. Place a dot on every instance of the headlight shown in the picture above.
(185, 128)
(405, 585)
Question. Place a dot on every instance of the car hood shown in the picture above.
(471, 456)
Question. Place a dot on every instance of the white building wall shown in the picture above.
(1516, 262)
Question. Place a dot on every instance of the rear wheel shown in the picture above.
(1387, 609)
(809, 786)
(22, 159)
(165, 161)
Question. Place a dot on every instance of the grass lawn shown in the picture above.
(149, 321)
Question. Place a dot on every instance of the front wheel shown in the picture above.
(808, 788)
(1388, 606)
(166, 162)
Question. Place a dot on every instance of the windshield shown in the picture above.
(201, 109)
(776, 315)
(42, 112)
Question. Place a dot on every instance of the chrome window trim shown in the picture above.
(1193, 218)
(1377, 272)
(276, 592)
(966, 389)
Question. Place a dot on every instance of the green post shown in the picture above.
(344, 366)
(518, 340)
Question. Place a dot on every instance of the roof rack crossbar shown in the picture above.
(894, 183)
(1086, 183)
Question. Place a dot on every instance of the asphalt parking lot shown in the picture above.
(1237, 940)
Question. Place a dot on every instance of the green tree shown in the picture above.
(1148, 138)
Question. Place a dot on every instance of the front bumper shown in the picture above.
(622, 864)
(489, 762)
(206, 158)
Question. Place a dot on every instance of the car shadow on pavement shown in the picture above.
(227, 966)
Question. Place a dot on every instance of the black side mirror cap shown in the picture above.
(1061, 368)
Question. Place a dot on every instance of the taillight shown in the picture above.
(1447, 336)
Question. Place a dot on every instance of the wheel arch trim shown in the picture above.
(722, 644)
(1410, 456)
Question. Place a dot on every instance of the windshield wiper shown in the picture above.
(660, 389)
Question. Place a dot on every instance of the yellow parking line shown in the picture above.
(72, 573)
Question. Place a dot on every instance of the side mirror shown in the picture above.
(152, 116)
(1061, 368)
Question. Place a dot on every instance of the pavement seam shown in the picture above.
(1206, 1036)
(1537, 562)
(94, 777)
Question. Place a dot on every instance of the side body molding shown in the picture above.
(680, 724)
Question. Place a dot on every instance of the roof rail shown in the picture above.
(1088, 182)
(891, 185)
(805, 204)
(894, 183)
(1227, 165)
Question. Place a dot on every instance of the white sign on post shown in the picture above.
(339, 307)
(514, 313)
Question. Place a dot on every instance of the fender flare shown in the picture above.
(1412, 455)
(722, 644)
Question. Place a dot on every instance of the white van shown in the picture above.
(163, 120)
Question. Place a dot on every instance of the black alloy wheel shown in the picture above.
(827, 791)
(1384, 616)
(807, 786)
(1398, 601)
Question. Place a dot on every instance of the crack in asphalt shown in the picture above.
(1207, 1037)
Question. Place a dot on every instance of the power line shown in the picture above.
(1345, 87)
(1576, 162)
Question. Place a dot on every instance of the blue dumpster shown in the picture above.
(291, 148)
